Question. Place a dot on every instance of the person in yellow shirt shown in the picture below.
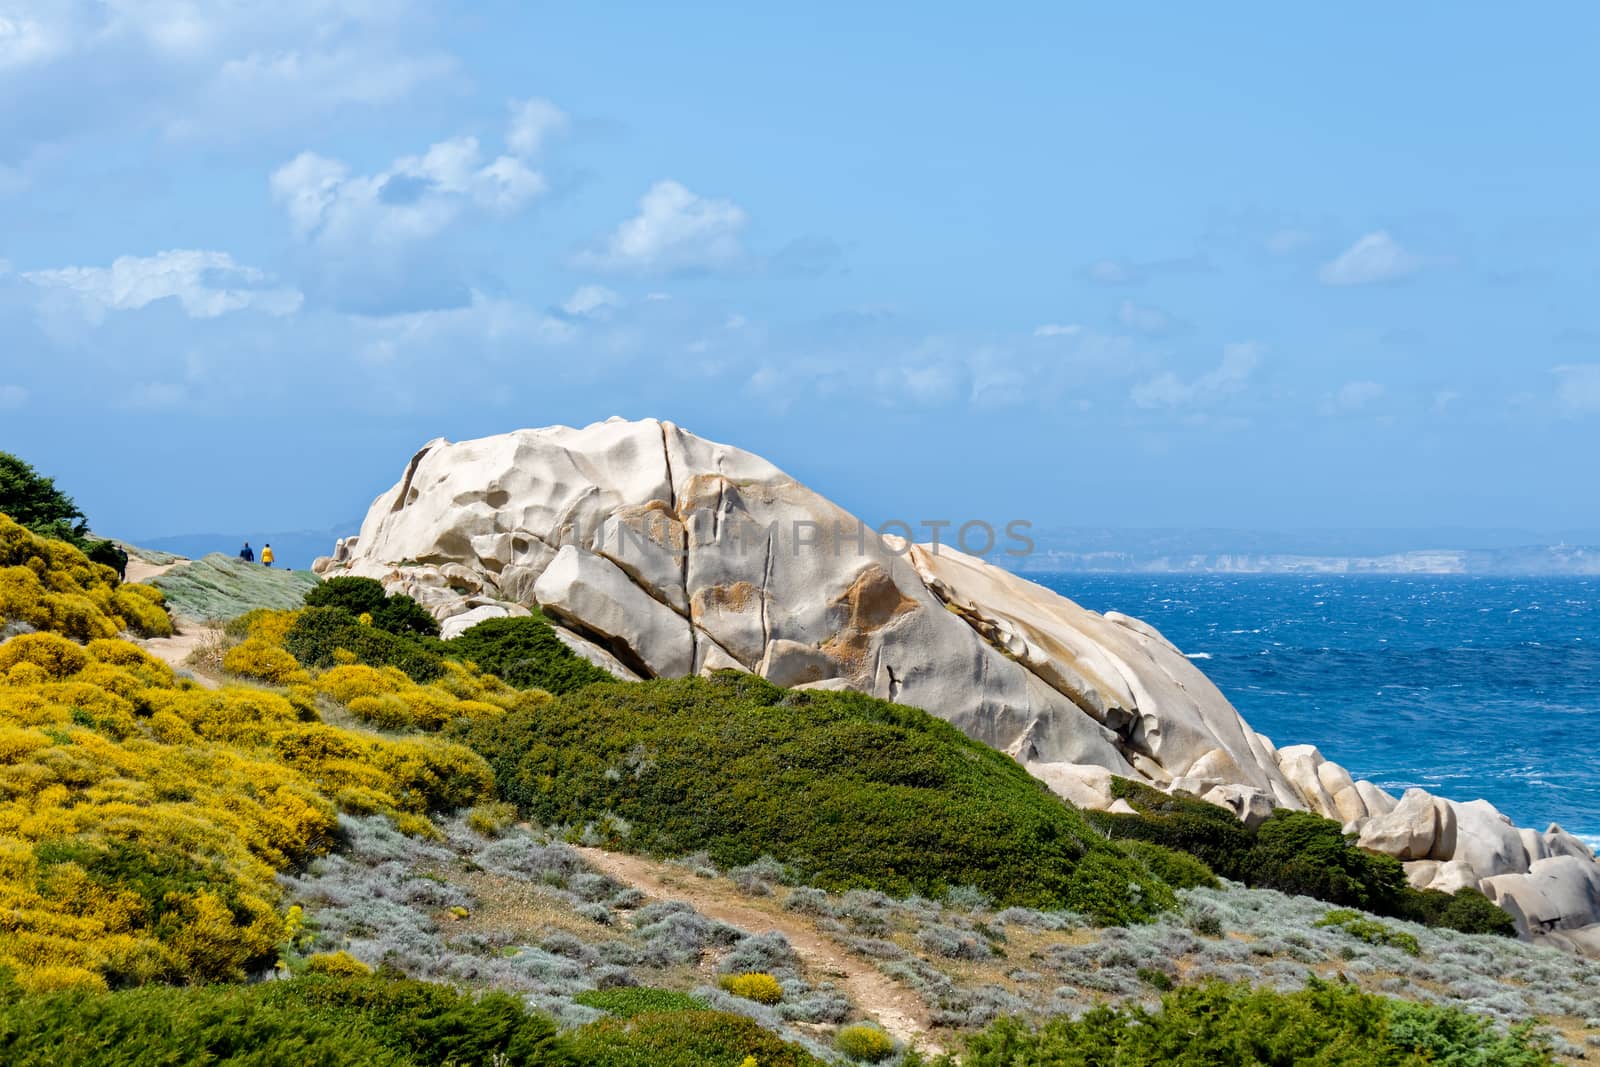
(266, 555)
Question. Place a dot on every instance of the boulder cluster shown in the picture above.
(661, 554)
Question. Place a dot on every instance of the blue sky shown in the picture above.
(1120, 265)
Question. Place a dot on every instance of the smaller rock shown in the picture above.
(456, 625)
(1250, 805)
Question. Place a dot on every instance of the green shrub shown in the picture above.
(1466, 910)
(685, 1039)
(1217, 1023)
(398, 614)
(1298, 852)
(1158, 979)
(757, 986)
(526, 653)
(864, 1043)
(318, 633)
(341, 1022)
(1371, 931)
(104, 553)
(891, 798)
(1293, 852)
(629, 1001)
(1178, 869)
(492, 818)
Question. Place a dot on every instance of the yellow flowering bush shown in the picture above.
(756, 985)
(52, 586)
(255, 658)
(144, 818)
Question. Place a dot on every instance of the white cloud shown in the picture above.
(206, 284)
(1113, 272)
(1167, 390)
(532, 123)
(1351, 397)
(1051, 329)
(675, 230)
(223, 70)
(1578, 391)
(415, 198)
(590, 300)
(922, 385)
(1143, 318)
(12, 397)
(485, 323)
(31, 35)
(1375, 258)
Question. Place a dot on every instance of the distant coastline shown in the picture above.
(1499, 553)
(1534, 561)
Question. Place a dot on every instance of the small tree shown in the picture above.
(32, 500)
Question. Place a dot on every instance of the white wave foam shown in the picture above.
(1197, 655)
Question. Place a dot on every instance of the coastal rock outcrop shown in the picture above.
(659, 553)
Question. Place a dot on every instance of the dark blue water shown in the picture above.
(1467, 687)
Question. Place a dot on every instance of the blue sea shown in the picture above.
(1467, 687)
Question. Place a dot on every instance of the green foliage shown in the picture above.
(526, 653)
(1371, 931)
(1159, 979)
(398, 614)
(847, 790)
(1216, 1023)
(33, 501)
(319, 633)
(312, 1020)
(757, 986)
(104, 553)
(864, 1043)
(356, 595)
(1293, 852)
(1466, 910)
(222, 587)
(1298, 852)
(628, 1001)
(685, 1039)
(1178, 869)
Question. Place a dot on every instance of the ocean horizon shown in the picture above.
(1465, 686)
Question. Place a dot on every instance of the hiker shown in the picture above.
(247, 553)
(122, 564)
(266, 555)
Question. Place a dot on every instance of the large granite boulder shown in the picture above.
(659, 553)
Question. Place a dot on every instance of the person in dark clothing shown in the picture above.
(247, 553)
(122, 564)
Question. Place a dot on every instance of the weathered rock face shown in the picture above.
(663, 554)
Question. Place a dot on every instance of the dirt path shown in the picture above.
(174, 650)
(895, 1008)
(140, 571)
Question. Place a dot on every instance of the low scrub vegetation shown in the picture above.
(525, 653)
(1326, 1023)
(1293, 852)
(848, 790)
(366, 597)
(320, 1019)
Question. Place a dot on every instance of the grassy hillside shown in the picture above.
(850, 791)
(221, 587)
